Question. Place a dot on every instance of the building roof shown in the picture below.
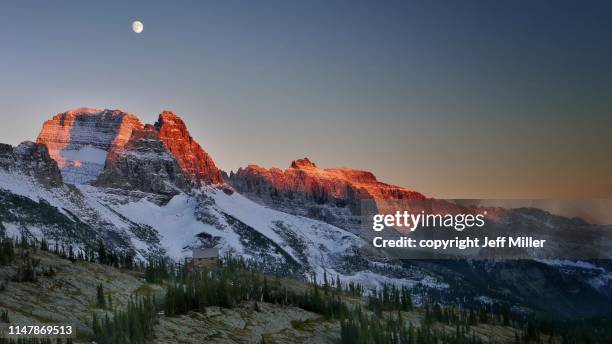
(205, 253)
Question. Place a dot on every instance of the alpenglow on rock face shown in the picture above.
(80, 139)
(192, 159)
(336, 195)
(332, 195)
(113, 148)
(138, 198)
(144, 164)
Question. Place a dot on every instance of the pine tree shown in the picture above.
(109, 301)
(102, 256)
(101, 300)
(325, 282)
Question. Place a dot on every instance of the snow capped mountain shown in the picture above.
(80, 139)
(155, 191)
(40, 205)
(150, 224)
(151, 190)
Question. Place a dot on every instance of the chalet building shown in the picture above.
(205, 257)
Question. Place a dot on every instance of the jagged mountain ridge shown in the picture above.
(142, 200)
(147, 224)
(321, 185)
(159, 193)
(332, 195)
(337, 195)
(33, 160)
(37, 203)
(85, 142)
(193, 160)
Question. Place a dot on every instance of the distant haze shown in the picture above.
(473, 99)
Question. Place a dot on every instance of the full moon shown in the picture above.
(137, 26)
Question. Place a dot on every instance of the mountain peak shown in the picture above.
(87, 112)
(191, 157)
(169, 116)
(81, 140)
(303, 164)
(83, 110)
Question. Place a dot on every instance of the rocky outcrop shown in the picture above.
(332, 195)
(336, 195)
(320, 185)
(144, 164)
(80, 139)
(192, 159)
(33, 160)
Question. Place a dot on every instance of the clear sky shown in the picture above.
(451, 98)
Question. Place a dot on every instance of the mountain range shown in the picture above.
(151, 190)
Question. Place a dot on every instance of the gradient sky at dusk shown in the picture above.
(451, 98)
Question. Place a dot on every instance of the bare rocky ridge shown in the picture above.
(324, 185)
(332, 195)
(192, 159)
(31, 159)
(337, 195)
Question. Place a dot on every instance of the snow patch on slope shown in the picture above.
(318, 247)
(27, 186)
(319, 235)
(82, 165)
(175, 222)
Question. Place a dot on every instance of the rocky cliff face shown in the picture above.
(80, 139)
(337, 195)
(144, 164)
(33, 160)
(192, 159)
(320, 185)
(113, 148)
(332, 195)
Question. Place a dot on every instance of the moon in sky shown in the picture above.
(137, 26)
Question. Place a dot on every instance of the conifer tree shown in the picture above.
(101, 300)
